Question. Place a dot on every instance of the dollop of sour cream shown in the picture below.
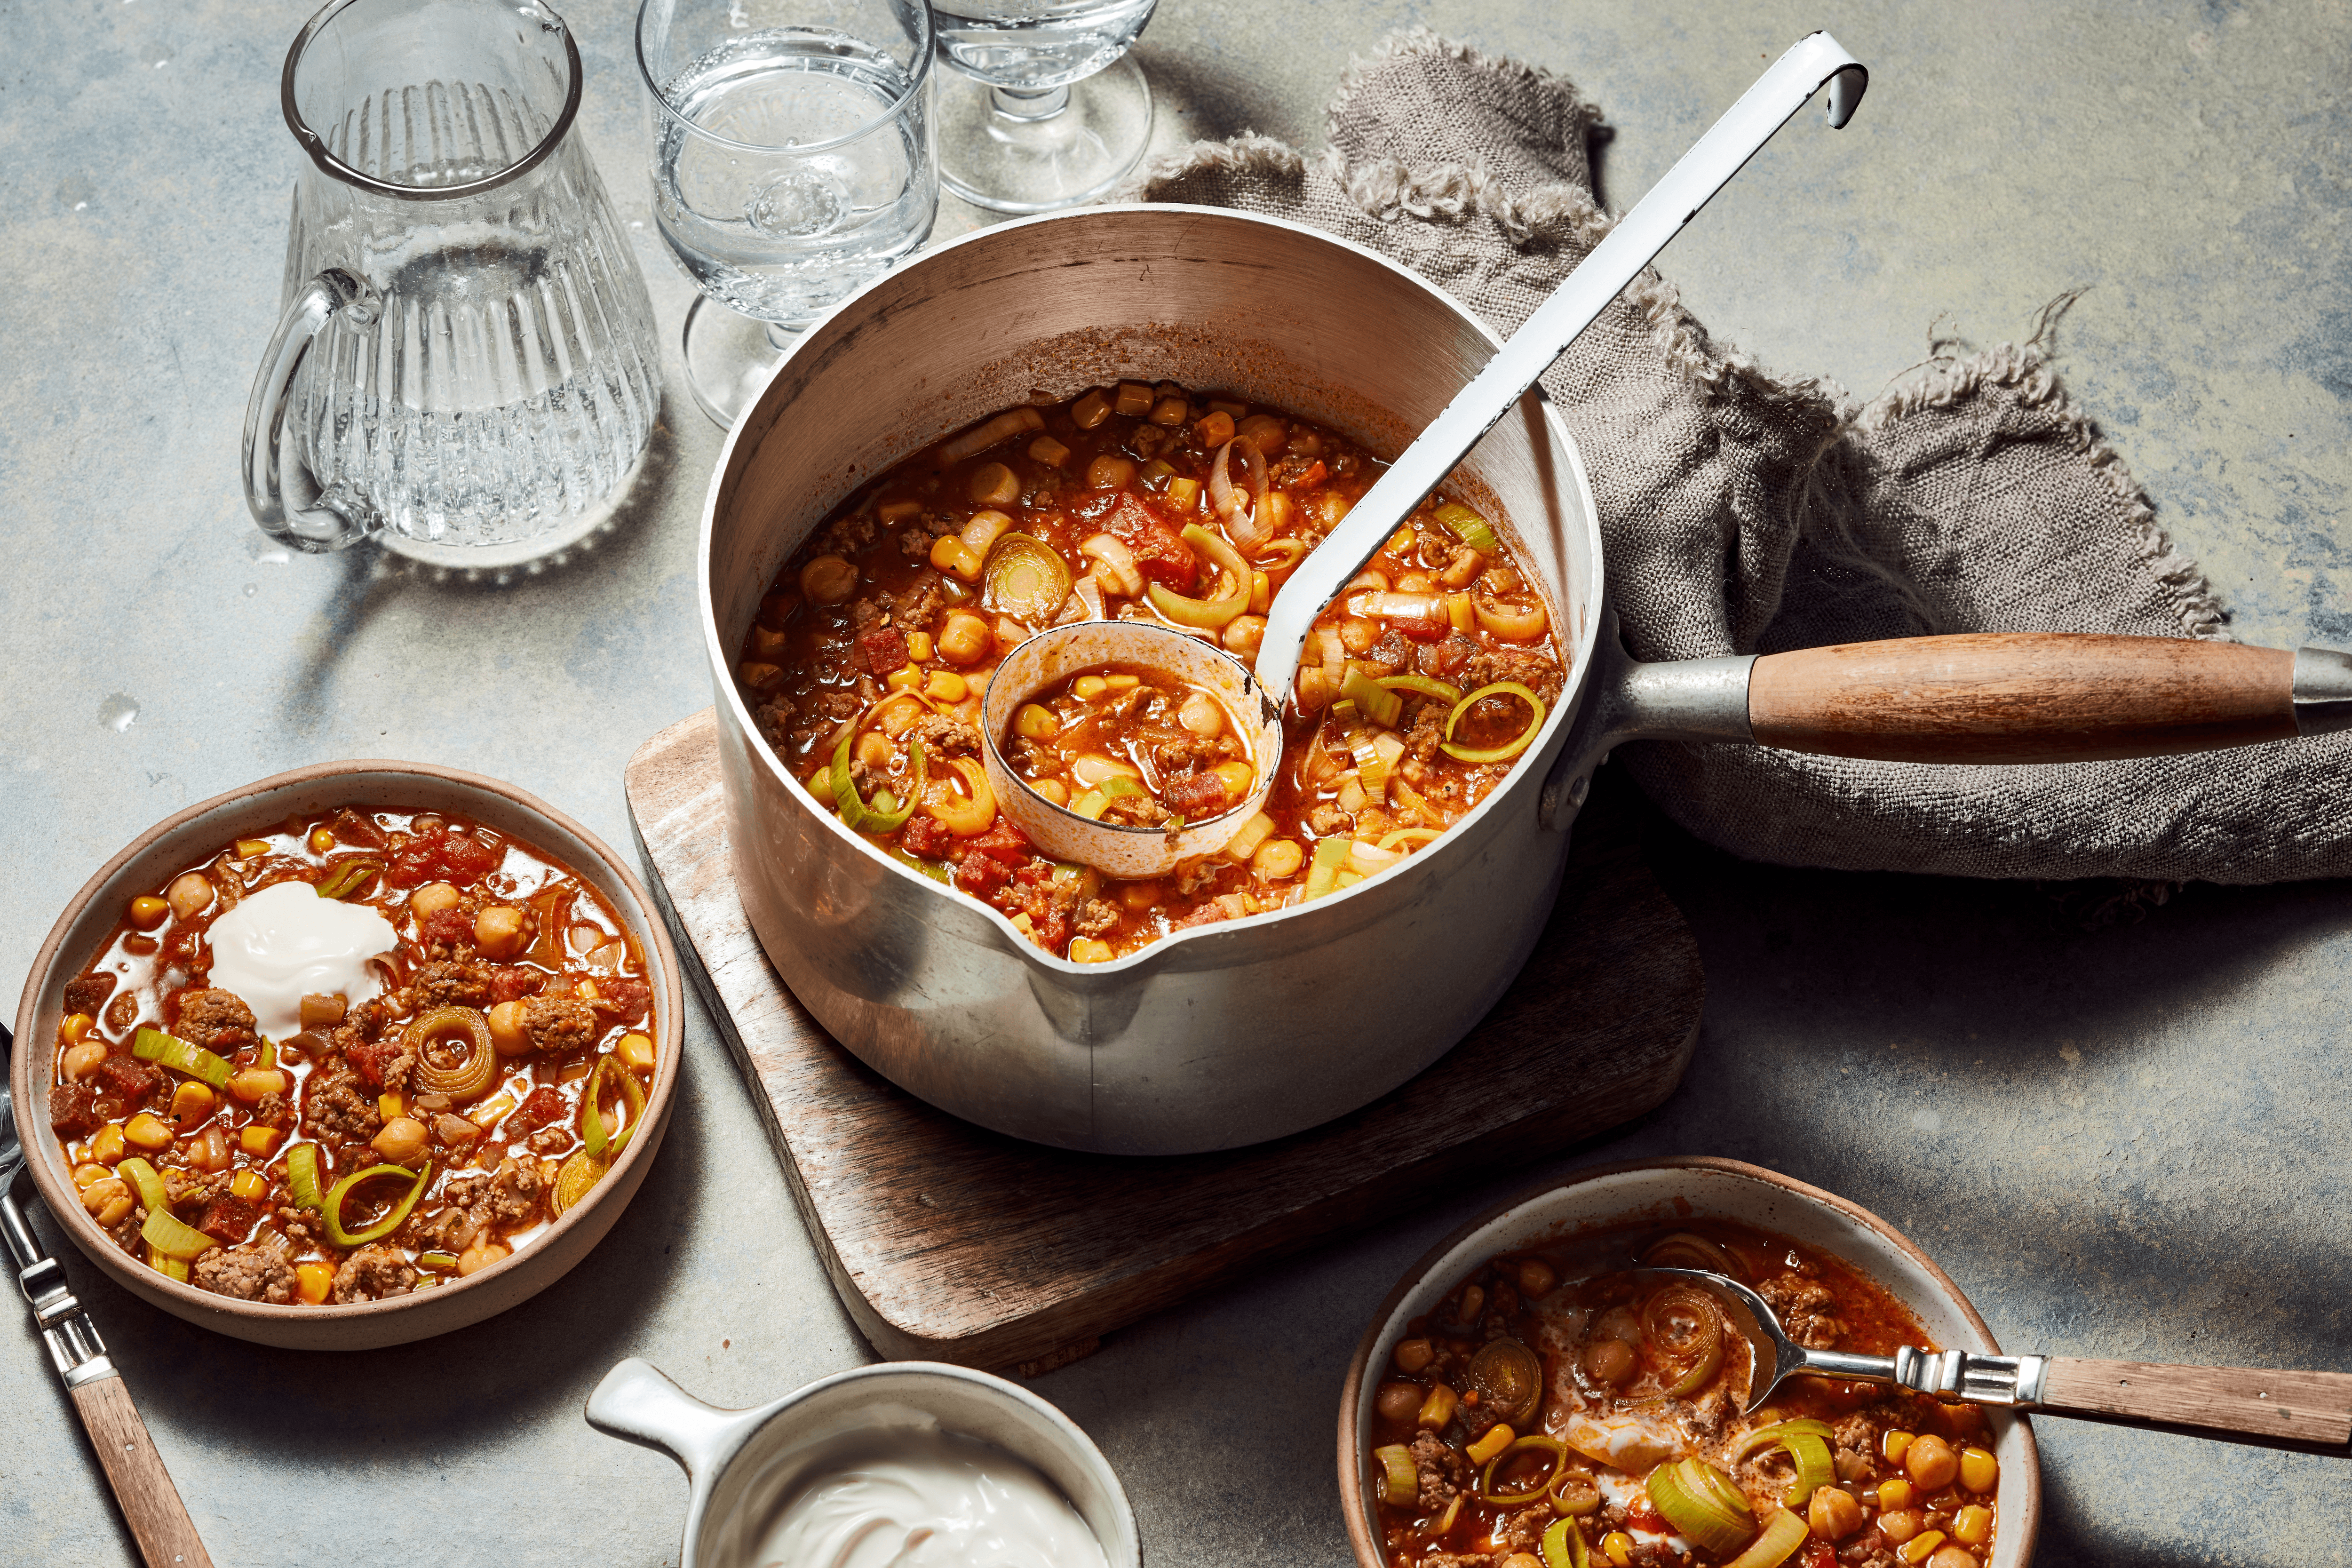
(286, 942)
(928, 1499)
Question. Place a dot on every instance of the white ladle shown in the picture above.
(1123, 851)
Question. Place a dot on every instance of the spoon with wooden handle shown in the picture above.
(2310, 1412)
(151, 1503)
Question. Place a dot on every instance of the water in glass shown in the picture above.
(1032, 45)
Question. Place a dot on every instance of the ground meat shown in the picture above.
(514, 1195)
(540, 1108)
(248, 1273)
(514, 983)
(918, 606)
(372, 1273)
(123, 1012)
(915, 544)
(449, 934)
(1523, 1531)
(1097, 917)
(945, 737)
(1425, 731)
(73, 1110)
(556, 1025)
(623, 998)
(272, 1110)
(186, 1189)
(1392, 653)
(1537, 672)
(88, 993)
(382, 1064)
(928, 839)
(1181, 754)
(335, 1106)
(1710, 1415)
(1326, 820)
(1447, 658)
(1194, 794)
(452, 983)
(845, 536)
(864, 612)
(216, 1021)
(1141, 810)
(1443, 1472)
(1869, 1550)
(1803, 1305)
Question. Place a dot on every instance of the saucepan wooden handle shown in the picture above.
(151, 1504)
(2023, 697)
(2306, 1410)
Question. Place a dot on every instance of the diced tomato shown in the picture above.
(1819, 1554)
(373, 1058)
(981, 874)
(126, 1081)
(1316, 474)
(927, 840)
(1433, 627)
(229, 1217)
(452, 926)
(1445, 658)
(1161, 554)
(1035, 874)
(1640, 1515)
(540, 1108)
(1003, 841)
(884, 649)
(442, 857)
(626, 999)
(465, 859)
(1192, 794)
(1053, 929)
(516, 982)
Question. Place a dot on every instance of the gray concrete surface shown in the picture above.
(2122, 1142)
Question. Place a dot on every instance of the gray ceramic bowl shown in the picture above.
(744, 1464)
(1667, 1192)
(201, 830)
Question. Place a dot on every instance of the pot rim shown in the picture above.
(1369, 1553)
(41, 1155)
(1579, 645)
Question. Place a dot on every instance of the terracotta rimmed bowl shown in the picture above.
(199, 831)
(1666, 1193)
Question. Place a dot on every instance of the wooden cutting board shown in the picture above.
(951, 1243)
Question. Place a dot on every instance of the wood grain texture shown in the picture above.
(151, 1503)
(2022, 697)
(951, 1243)
(2311, 1411)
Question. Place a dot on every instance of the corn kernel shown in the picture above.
(637, 1050)
(191, 1103)
(1237, 777)
(1184, 496)
(147, 1133)
(251, 1083)
(1920, 1547)
(1894, 1494)
(1893, 1445)
(252, 848)
(1132, 399)
(147, 911)
(106, 1143)
(388, 1104)
(258, 1140)
(76, 1027)
(1973, 1526)
(1086, 950)
(906, 678)
(487, 1113)
(946, 684)
(919, 646)
(249, 1186)
(1618, 1547)
(314, 1280)
(1261, 593)
(1036, 721)
(1214, 430)
(1087, 688)
(1122, 681)
(1051, 789)
(1498, 1437)
(85, 1174)
(1980, 1471)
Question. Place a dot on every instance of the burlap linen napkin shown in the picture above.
(1744, 513)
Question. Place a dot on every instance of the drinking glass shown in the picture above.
(466, 363)
(1047, 110)
(791, 164)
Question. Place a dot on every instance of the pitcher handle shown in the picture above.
(637, 1404)
(315, 524)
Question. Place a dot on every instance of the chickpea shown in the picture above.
(83, 1057)
(1202, 715)
(431, 900)
(874, 749)
(1396, 1401)
(1932, 1464)
(1109, 473)
(147, 911)
(1474, 1304)
(1415, 582)
(402, 1139)
(1900, 1525)
(1951, 1556)
(965, 639)
(501, 931)
(828, 579)
(1268, 434)
(1138, 896)
(1610, 1363)
(1833, 1515)
(993, 484)
(1536, 1279)
(1358, 635)
(480, 1256)
(1277, 858)
(108, 1188)
(507, 1034)
(1415, 1355)
(1244, 634)
(1050, 789)
(189, 895)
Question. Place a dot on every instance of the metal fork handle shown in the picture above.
(1946, 1374)
(73, 1342)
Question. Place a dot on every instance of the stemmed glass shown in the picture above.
(791, 164)
(1046, 110)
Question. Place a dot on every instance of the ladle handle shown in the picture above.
(1629, 246)
(307, 522)
(2310, 1411)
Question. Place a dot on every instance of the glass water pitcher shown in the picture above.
(465, 364)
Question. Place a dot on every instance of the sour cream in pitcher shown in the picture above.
(286, 942)
(916, 1498)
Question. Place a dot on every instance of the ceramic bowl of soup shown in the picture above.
(355, 1055)
(1613, 1379)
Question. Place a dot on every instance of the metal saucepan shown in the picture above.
(1235, 1033)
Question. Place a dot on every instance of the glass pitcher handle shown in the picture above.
(312, 522)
